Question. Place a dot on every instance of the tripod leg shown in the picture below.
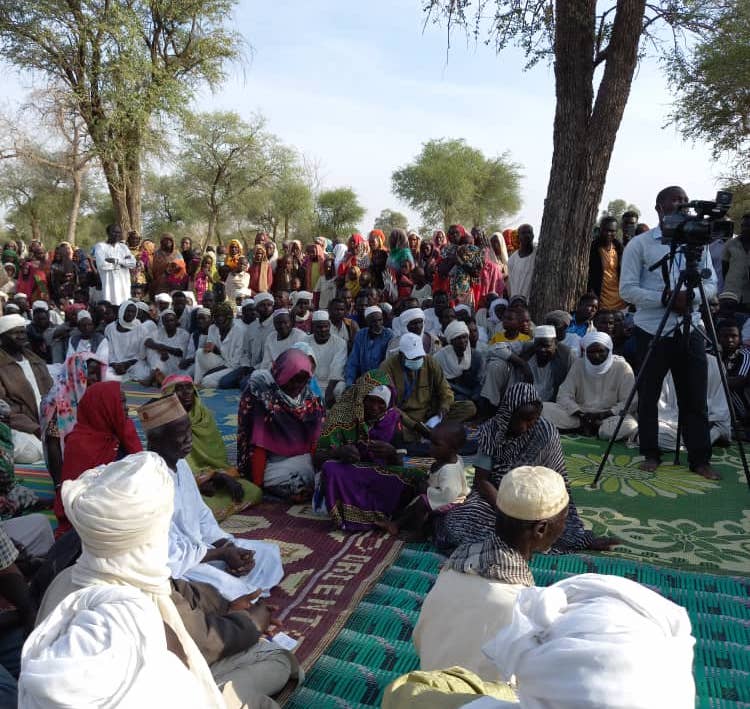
(677, 443)
(725, 384)
(639, 377)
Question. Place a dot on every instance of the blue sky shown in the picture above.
(359, 86)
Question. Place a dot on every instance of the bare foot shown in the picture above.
(649, 465)
(387, 526)
(705, 470)
(604, 543)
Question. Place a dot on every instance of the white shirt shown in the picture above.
(273, 347)
(232, 347)
(520, 273)
(331, 360)
(115, 277)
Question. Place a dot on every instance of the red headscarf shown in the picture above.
(101, 430)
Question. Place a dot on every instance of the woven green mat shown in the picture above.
(374, 647)
(671, 517)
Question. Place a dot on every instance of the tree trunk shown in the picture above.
(583, 140)
(75, 207)
(36, 229)
(133, 188)
(286, 229)
(212, 220)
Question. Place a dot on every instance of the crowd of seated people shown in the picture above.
(351, 358)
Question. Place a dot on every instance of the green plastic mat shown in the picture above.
(374, 647)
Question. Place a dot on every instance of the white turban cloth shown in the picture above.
(594, 337)
(121, 315)
(104, 646)
(597, 642)
(410, 315)
(455, 329)
(122, 512)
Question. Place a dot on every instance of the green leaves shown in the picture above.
(450, 181)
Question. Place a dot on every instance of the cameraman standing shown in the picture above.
(686, 360)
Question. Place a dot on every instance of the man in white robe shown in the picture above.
(223, 361)
(258, 330)
(595, 391)
(284, 338)
(330, 356)
(166, 348)
(114, 263)
(127, 355)
(199, 550)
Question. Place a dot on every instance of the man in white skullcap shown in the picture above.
(260, 328)
(462, 365)
(594, 392)
(91, 650)
(85, 338)
(163, 301)
(166, 347)
(24, 380)
(474, 593)
(422, 391)
(197, 542)
(284, 337)
(370, 345)
(595, 642)
(223, 360)
(330, 356)
(41, 331)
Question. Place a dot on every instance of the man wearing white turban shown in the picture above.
(595, 392)
(122, 512)
(462, 365)
(595, 642)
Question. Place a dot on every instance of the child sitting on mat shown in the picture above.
(446, 485)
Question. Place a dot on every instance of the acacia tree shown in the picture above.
(595, 48)
(449, 181)
(338, 211)
(123, 64)
(388, 220)
(223, 158)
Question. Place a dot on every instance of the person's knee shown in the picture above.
(462, 411)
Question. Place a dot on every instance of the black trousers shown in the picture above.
(689, 367)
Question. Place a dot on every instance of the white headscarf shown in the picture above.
(593, 337)
(597, 642)
(492, 316)
(121, 315)
(409, 315)
(122, 512)
(103, 646)
(339, 254)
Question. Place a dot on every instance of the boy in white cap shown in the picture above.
(330, 355)
(284, 337)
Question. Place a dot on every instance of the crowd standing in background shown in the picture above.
(351, 356)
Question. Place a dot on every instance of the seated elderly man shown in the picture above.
(330, 356)
(135, 497)
(24, 380)
(370, 345)
(223, 360)
(199, 550)
(532, 506)
(595, 392)
(462, 365)
(284, 337)
(127, 356)
(422, 391)
(166, 347)
(548, 363)
(586, 641)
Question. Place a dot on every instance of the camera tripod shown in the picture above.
(692, 278)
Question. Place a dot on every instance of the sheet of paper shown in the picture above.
(285, 641)
(433, 421)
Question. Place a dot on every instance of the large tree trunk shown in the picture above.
(133, 185)
(213, 218)
(75, 208)
(583, 140)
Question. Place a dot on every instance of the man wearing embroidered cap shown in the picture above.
(370, 345)
(474, 594)
(422, 391)
(199, 550)
(462, 365)
(330, 355)
(594, 392)
(24, 380)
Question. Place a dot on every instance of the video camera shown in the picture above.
(701, 228)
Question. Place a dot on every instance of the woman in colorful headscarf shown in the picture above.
(315, 256)
(221, 487)
(59, 407)
(234, 253)
(272, 253)
(168, 269)
(261, 273)
(363, 479)
(358, 254)
(428, 259)
(399, 251)
(440, 240)
(376, 240)
(278, 424)
(512, 242)
(10, 254)
(103, 433)
(148, 250)
(204, 278)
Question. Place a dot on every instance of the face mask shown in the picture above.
(414, 364)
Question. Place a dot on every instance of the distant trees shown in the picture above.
(339, 211)
(388, 220)
(617, 207)
(449, 181)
